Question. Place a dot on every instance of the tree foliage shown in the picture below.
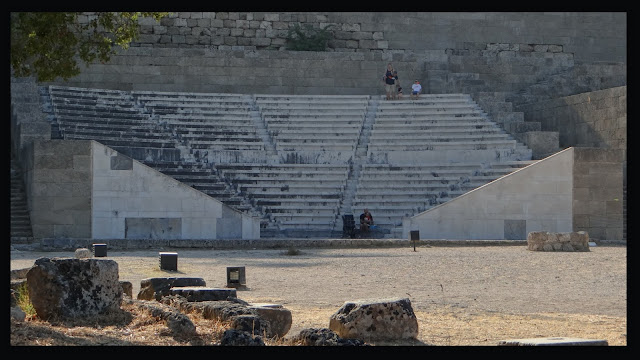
(50, 44)
(308, 38)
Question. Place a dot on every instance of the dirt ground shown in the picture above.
(462, 295)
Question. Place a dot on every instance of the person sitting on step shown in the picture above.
(366, 221)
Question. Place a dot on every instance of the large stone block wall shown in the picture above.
(591, 119)
(316, 73)
(244, 52)
(535, 198)
(591, 36)
(58, 185)
(597, 193)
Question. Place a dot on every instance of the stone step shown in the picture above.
(427, 136)
(434, 145)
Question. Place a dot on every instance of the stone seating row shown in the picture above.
(203, 178)
(205, 121)
(394, 192)
(303, 196)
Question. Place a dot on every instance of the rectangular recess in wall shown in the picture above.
(515, 229)
(153, 228)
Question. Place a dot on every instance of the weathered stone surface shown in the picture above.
(179, 323)
(324, 337)
(156, 288)
(235, 337)
(83, 253)
(238, 312)
(200, 293)
(251, 323)
(127, 288)
(279, 317)
(19, 273)
(565, 241)
(74, 287)
(378, 319)
(17, 313)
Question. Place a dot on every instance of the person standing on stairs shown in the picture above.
(389, 82)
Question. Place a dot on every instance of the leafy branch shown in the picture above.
(308, 38)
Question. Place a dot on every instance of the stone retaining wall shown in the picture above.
(562, 241)
(593, 36)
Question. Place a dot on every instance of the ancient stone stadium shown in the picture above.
(210, 131)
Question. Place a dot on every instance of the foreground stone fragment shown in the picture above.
(324, 337)
(74, 287)
(179, 324)
(201, 293)
(234, 337)
(279, 317)
(83, 253)
(379, 319)
(156, 288)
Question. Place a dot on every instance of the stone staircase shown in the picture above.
(20, 226)
(437, 128)
(300, 200)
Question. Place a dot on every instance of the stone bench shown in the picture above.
(558, 241)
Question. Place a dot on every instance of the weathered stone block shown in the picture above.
(375, 320)
(74, 287)
(156, 288)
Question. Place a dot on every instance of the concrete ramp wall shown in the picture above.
(133, 201)
(538, 197)
(81, 189)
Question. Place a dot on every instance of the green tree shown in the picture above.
(308, 38)
(50, 44)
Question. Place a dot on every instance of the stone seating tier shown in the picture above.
(381, 137)
(340, 172)
(99, 113)
(122, 142)
(421, 146)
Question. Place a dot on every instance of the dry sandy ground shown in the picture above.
(462, 295)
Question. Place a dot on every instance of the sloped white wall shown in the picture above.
(172, 209)
(539, 197)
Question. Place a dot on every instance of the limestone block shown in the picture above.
(156, 288)
(324, 337)
(200, 293)
(386, 319)
(83, 253)
(74, 287)
(279, 317)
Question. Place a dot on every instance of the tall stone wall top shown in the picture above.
(591, 36)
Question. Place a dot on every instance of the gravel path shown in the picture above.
(505, 279)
